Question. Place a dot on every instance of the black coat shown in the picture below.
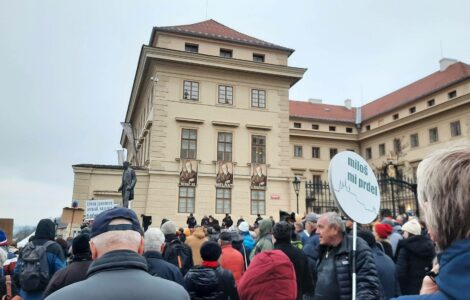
(414, 259)
(75, 272)
(203, 283)
(367, 280)
(161, 268)
(303, 273)
(191, 222)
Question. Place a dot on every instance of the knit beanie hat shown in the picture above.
(81, 244)
(412, 227)
(244, 227)
(210, 251)
(3, 238)
(282, 231)
(168, 227)
(383, 230)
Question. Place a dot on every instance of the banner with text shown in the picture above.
(95, 207)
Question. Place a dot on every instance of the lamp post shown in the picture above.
(296, 185)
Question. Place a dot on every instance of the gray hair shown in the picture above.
(444, 194)
(153, 239)
(335, 220)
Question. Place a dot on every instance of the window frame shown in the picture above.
(297, 152)
(189, 140)
(412, 137)
(369, 153)
(186, 198)
(258, 200)
(335, 150)
(457, 130)
(224, 200)
(431, 140)
(224, 50)
(412, 109)
(191, 83)
(258, 93)
(225, 90)
(297, 125)
(189, 45)
(431, 102)
(224, 153)
(255, 148)
(332, 128)
(382, 149)
(349, 130)
(315, 125)
(259, 58)
(452, 94)
(396, 116)
(316, 150)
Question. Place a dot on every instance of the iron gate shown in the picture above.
(398, 195)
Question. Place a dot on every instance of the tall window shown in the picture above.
(258, 149)
(258, 98)
(258, 57)
(186, 200)
(194, 48)
(433, 135)
(368, 153)
(227, 53)
(224, 146)
(316, 179)
(225, 94)
(257, 202)
(223, 200)
(455, 128)
(414, 140)
(191, 90)
(382, 149)
(315, 152)
(397, 145)
(188, 143)
(297, 151)
(333, 152)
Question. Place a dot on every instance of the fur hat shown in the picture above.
(210, 251)
(168, 227)
(412, 227)
(282, 231)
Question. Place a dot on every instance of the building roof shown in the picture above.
(318, 111)
(109, 167)
(212, 29)
(418, 89)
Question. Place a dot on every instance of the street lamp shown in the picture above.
(296, 185)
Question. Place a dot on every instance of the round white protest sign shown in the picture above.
(354, 187)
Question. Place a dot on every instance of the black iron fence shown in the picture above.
(398, 195)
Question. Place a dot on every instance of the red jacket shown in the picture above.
(270, 275)
(232, 260)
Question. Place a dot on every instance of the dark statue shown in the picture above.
(128, 183)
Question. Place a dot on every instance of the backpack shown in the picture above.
(179, 254)
(35, 270)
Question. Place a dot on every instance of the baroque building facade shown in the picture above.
(211, 129)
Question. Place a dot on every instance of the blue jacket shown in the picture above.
(454, 275)
(248, 241)
(387, 273)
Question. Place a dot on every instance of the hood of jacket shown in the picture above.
(118, 260)
(265, 227)
(419, 245)
(45, 230)
(453, 276)
(199, 233)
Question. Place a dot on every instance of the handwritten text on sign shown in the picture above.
(95, 207)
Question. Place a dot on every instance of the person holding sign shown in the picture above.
(334, 264)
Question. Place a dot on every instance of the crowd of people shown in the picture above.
(307, 257)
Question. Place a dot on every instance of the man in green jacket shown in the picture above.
(264, 241)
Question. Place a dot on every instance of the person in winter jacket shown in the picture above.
(119, 271)
(333, 280)
(248, 241)
(45, 232)
(227, 222)
(415, 254)
(191, 221)
(395, 236)
(264, 241)
(195, 242)
(210, 281)
(174, 251)
(231, 259)
(157, 266)
(444, 196)
(271, 275)
(312, 243)
(77, 270)
(385, 266)
(282, 233)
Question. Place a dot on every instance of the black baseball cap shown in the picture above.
(101, 222)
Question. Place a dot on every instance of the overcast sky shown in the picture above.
(67, 67)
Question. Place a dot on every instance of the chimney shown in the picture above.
(316, 101)
(120, 154)
(444, 63)
(347, 103)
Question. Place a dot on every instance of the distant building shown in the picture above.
(205, 94)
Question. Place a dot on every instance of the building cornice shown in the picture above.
(293, 132)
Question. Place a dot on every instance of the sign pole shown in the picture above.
(353, 261)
